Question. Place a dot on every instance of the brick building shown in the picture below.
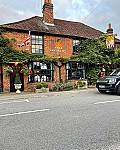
(51, 37)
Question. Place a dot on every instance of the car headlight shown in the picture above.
(112, 80)
(98, 81)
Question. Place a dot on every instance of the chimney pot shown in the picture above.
(110, 26)
(110, 30)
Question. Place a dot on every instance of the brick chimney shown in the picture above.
(48, 12)
(110, 30)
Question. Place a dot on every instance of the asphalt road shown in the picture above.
(78, 120)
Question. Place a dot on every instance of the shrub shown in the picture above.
(17, 79)
(92, 75)
(43, 89)
(60, 87)
(45, 85)
(61, 81)
(80, 83)
(39, 86)
(57, 87)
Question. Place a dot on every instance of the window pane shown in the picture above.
(33, 50)
(37, 37)
(40, 38)
(33, 37)
(33, 41)
(33, 46)
(41, 51)
(37, 41)
(37, 51)
(39, 46)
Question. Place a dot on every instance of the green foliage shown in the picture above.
(45, 85)
(61, 81)
(43, 89)
(94, 51)
(39, 86)
(80, 83)
(13, 39)
(64, 60)
(60, 86)
(4, 41)
(92, 74)
(17, 79)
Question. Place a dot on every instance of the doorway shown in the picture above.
(16, 69)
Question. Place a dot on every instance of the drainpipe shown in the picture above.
(1, 76)
(59, 73)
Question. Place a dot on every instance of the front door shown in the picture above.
(16, 69)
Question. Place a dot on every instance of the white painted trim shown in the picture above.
(48, 24)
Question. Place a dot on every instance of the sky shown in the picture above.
(95, 13)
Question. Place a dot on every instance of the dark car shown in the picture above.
(109, 83)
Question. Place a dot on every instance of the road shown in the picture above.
(78, 120)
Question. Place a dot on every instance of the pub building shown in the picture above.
(48, 37)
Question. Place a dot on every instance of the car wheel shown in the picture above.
(118, 90)
(101, 91)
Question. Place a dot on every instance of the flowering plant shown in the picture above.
(8, 70)
(26, 71)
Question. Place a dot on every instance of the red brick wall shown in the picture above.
(6, 82)
(56, 49)
(51, 46)
(20, 37)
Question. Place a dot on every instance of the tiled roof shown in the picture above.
(62, 27)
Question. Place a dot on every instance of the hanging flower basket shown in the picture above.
(7, 71)
(26, 71)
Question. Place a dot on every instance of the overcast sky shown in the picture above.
(75, 10)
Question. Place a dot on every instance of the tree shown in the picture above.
(93, 52)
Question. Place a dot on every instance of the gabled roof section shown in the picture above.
(62, 27)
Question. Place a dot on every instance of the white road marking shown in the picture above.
(107, 102)
(20, 113)
(26, 100)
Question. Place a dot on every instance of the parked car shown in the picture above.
(109, 83)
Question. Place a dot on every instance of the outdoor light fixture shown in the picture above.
(16, 63)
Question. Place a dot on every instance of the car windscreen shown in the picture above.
(115, 73)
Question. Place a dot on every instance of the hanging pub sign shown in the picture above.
(110, 41)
